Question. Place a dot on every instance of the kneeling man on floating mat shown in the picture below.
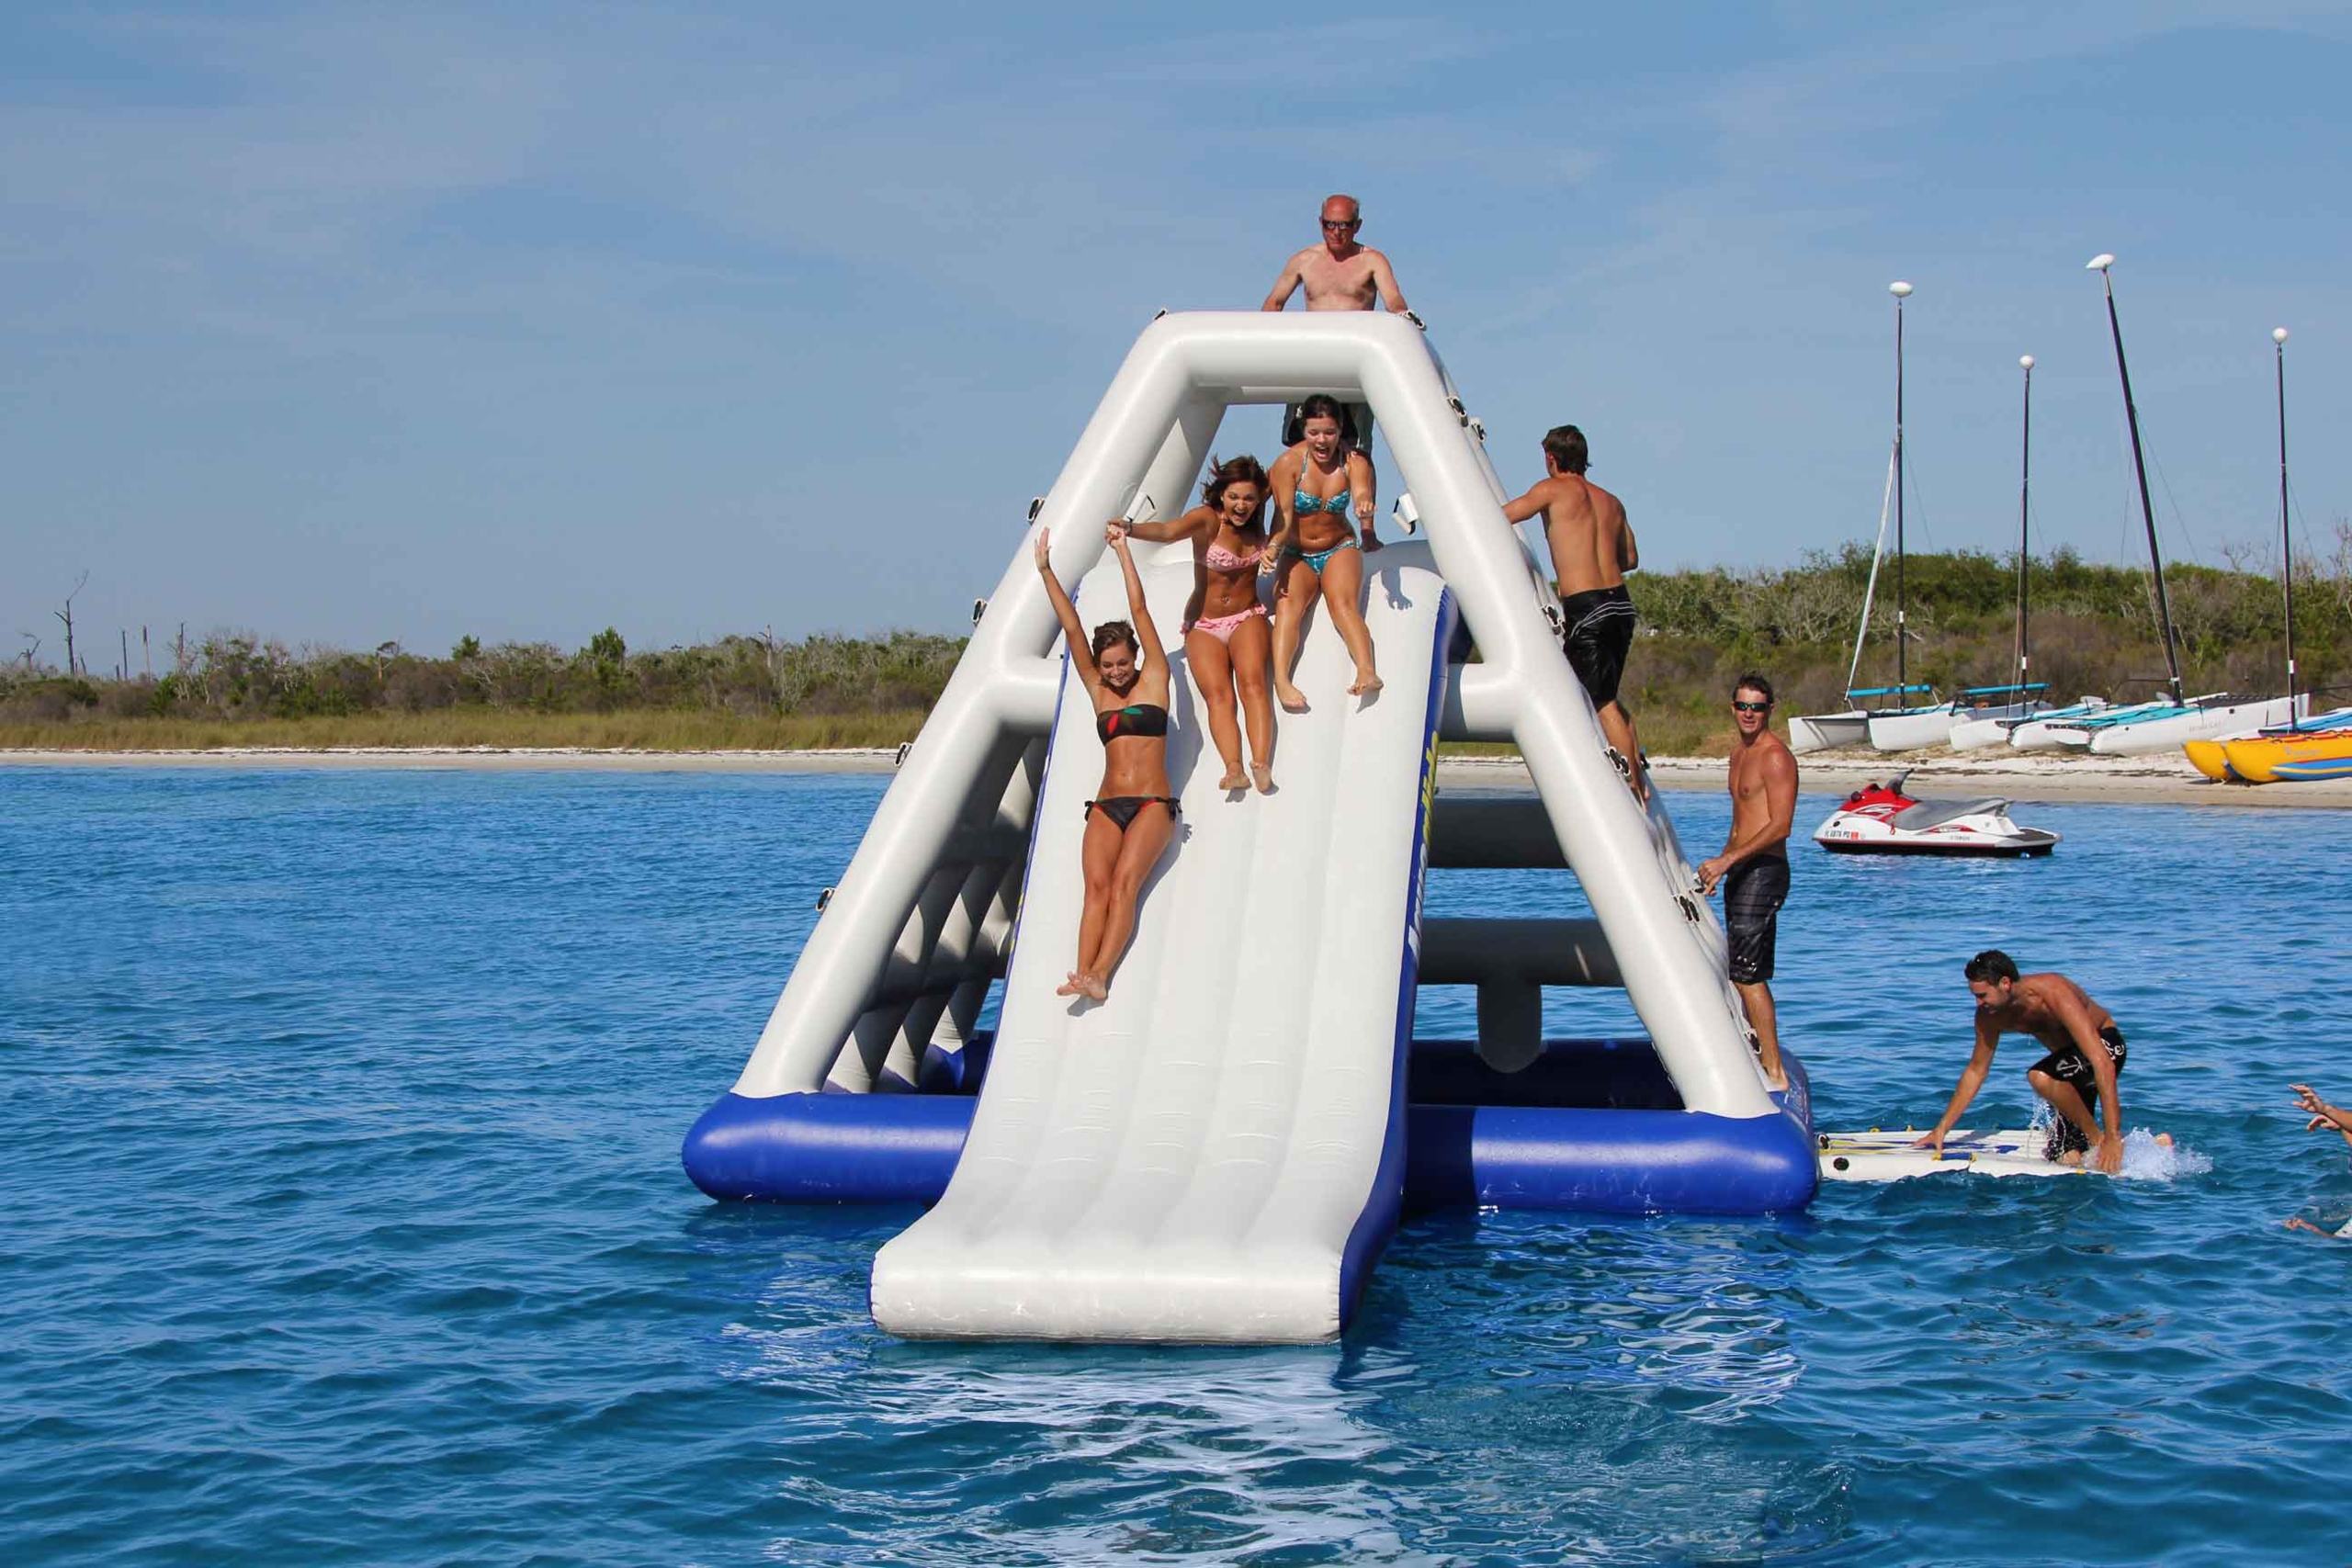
(2087, 1056)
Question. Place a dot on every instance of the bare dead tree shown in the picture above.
(32, 649)
(66, 614)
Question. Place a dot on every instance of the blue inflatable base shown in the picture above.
(1473, 1137)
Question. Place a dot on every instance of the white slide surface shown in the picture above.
(1216, 1153)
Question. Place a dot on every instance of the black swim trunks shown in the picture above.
(1753, 891)
(1597, 630)
(2071, 1066)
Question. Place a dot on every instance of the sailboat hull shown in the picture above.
(2150, 735)
(1825, 731)
(1973, 730)
(1910, 729)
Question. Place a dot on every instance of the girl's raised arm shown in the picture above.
(1081, 650)
(1147, 635)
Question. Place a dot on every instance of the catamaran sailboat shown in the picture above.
(1983, 716)
(1897, 727)
(2152, 728)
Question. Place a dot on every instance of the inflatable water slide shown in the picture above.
(1221, 1151)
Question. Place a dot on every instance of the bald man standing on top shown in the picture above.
(1339, 274)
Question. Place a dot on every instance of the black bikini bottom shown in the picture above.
(1122, 808)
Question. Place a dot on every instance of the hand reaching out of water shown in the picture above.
(2321, 1112)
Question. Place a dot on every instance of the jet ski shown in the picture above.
(1880, 819)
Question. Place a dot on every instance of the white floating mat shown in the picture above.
(1875, 1156)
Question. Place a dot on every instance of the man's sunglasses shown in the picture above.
(1751, 707)
(1348, 223)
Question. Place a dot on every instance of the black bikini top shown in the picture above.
(1136, 719)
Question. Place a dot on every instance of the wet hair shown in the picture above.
(1993, 964)
(1323, 405)
(1234, 471)
(1752, 683)
(1566, 446)
(1111, 634)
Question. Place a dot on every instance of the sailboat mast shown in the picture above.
(2286, 541)
(2099, 265)
(2025, 544)
(1901, 291)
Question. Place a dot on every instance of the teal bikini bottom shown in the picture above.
(1319, 559)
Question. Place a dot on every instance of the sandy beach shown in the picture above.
(2143, 781)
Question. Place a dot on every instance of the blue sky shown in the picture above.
(348, 324)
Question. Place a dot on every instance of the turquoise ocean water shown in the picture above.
(341, 1221)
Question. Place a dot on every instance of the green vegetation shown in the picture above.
(2094, 631)
(235, 689)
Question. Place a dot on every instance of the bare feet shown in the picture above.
(1777, 1082)
(1368, 682)
(1263, 776)
(1071, 987)
(1291, 697)
(1094, 987)
(2163, 1140)
(1234, 778)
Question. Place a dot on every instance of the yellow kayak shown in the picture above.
(2257, 760)
(2211, 759)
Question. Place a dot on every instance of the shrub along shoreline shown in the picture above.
(2094, 632)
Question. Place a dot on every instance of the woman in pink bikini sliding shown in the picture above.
(1129, 822)
(1317, 485)
(1225, 640)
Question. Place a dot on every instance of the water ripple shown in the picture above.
(340, 1221)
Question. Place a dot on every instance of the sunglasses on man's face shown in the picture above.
(1347, 224)
(1752, 707)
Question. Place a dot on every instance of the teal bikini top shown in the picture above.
(1303, 502)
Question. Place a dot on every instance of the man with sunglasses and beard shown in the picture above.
(1339, 274)
(1754, 866)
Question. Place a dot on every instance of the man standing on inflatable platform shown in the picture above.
(1592, 550)
(1339, 274)
(1754, 865)
(2085, 1057)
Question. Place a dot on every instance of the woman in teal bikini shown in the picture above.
(1132, 816)
(1225, 640)
(1317, 483)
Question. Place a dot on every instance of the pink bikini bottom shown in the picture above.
(1222, 627)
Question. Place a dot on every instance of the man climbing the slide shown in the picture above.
(2086, 1055)
(1592, 550)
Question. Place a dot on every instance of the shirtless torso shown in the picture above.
(1763, 786)
(1592, 545)
(1352, 281)
(2045, 1006)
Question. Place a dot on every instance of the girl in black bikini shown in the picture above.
(1129, 822)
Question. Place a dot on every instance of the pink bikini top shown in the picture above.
(1219, 558)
